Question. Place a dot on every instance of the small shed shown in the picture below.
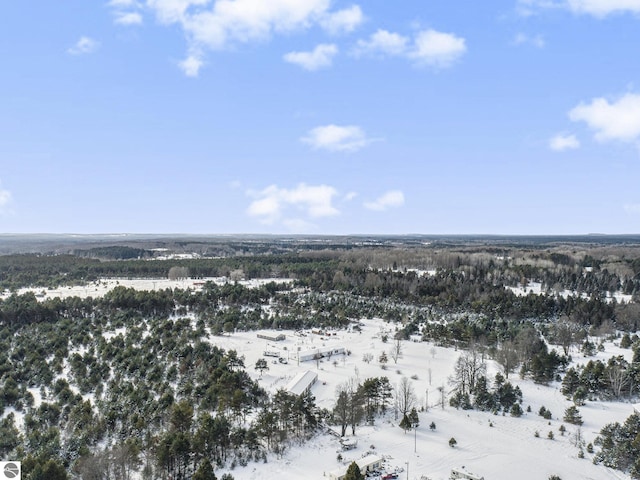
(302, 382)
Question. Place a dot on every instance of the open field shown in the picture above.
(496, 447)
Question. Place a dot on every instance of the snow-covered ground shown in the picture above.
(536, 289)
(495, 447)
(100, 288)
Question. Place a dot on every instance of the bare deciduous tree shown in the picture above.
(507, 357)
(405, 397)
(178, 273)
(396, 350)
(469, 367)
(617, 376)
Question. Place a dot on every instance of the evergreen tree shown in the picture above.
(405, 423)
(353, 472)
(204, 472)
(483, 399)
(414, 418)
(261, 365)
(620, 446)
(50, 470)
(572, 415)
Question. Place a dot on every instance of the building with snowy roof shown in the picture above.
(320, 352)
(272, 337)
(462, 474)
(367, 464)
(302, 382)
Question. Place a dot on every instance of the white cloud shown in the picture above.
(128, 18)
(274, 204)
(123, 3)
(343, 21)
(173, 11)
(391, 199)
(191, 65)
(336, 138)
(429, 47)
(319, 57)
(242, 21)
(537, 41)
(602, 8)
(383, 42)
(562, 142)
(633, 208)
(617, 120)
(84, 46)
(211, 25)
(596, 8)
(438, 49)
(530, 7)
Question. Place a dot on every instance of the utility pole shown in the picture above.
(407, 464)
(415, 445)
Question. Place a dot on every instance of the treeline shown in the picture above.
(53, 270)
(462, 278)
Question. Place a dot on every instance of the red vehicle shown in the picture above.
(389, 476)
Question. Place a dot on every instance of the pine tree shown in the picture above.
(405, 423)
(204, 472)
(572, 415)
(353, 472)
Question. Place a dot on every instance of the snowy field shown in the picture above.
(99, 288)
(495, 447)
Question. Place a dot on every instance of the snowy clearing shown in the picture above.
(496, 447)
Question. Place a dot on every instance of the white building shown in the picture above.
(320, 352)
(462, 474)
(302, 382)
(367, 464)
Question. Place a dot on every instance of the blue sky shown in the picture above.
(320, 116)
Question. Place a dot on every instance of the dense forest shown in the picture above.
(129, 383)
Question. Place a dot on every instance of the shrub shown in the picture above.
(544, 413)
